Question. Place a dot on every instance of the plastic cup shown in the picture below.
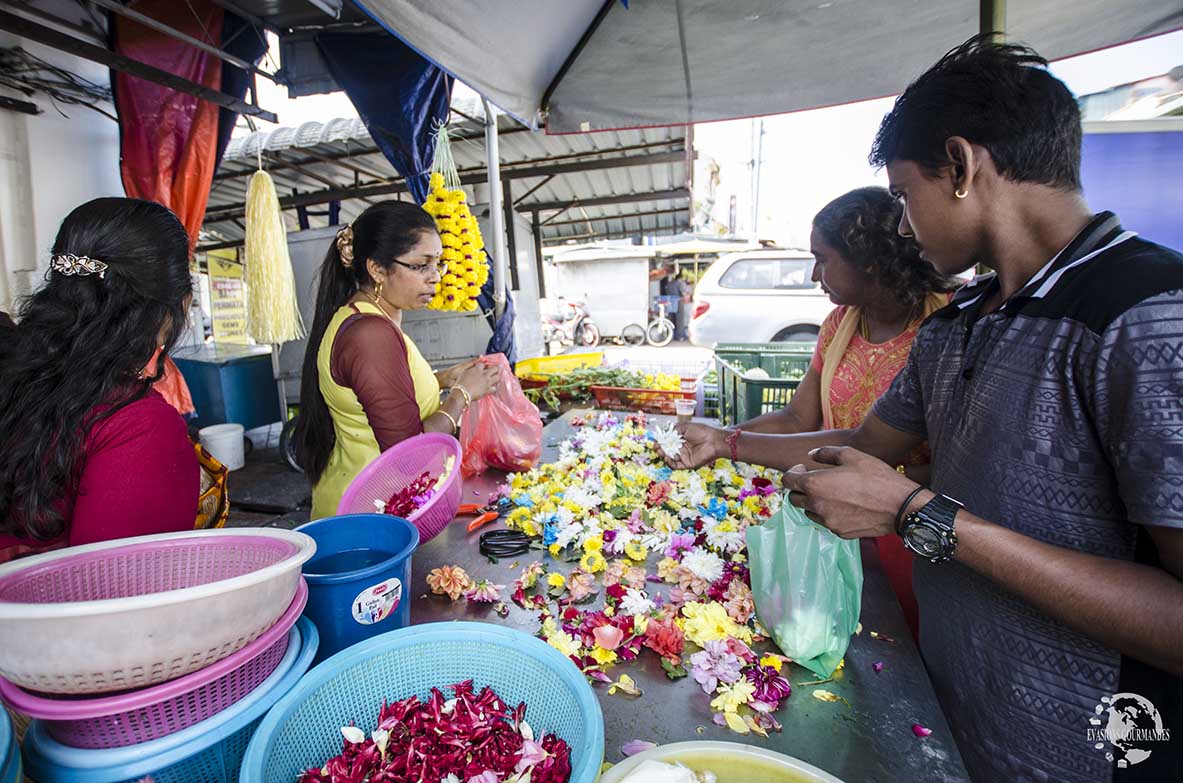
(685, 410)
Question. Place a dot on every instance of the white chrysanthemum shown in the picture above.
(636, 602)
(669, 440)
(583, 496)
(729, 541)
(724, 475)
(703, 564)
(695, 493)
(568, 534)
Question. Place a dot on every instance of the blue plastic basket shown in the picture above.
(208, 752)
(304, 728)
(10, 756)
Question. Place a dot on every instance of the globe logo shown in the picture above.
(1126, 726)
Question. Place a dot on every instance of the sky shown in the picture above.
(807, 158)
(811, 157)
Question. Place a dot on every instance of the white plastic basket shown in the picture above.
(139, 611)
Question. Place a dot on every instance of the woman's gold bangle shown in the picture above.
(464, 391)
(455, 426)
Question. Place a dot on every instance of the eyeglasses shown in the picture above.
(440, 266)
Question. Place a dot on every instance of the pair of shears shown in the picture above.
(485, 514)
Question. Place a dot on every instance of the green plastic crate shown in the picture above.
(743, 398)
(745, 356)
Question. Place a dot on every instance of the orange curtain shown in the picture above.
(168, 139)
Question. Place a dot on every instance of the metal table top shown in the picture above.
(871, 741)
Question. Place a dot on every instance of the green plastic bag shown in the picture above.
(808, 587)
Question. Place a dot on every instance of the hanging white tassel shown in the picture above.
(273, 314)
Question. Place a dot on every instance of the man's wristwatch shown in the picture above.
(928, 531)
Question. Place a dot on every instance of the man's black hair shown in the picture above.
(996, 95)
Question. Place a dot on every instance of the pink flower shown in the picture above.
(615, 570)
(771, 687)
(488, 776)
(665, 638)
(532, 755)
(659, 492)
(920, 731)
(608, 636)
(484, 592)
(740, 603)
(680, 543)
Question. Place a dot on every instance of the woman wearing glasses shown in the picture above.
(365, 386)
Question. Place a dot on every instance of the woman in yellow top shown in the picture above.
(365, 386)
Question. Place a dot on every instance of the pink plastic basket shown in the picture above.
(151, 713)
(397, 467)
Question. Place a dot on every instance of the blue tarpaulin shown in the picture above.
(400, 96)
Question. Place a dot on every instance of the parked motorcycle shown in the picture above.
(572, 326)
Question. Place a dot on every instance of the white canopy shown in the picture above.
(667, 62)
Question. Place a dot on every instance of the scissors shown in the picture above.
(485, 514)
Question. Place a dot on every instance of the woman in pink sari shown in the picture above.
(883, 289)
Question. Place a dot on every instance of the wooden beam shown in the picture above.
(117, 62)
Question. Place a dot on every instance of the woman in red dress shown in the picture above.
(88, 451)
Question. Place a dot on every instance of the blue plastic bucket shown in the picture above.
(359, 580)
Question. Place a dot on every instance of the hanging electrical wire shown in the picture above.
(29, 74)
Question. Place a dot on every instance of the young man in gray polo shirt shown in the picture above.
(1049, 540)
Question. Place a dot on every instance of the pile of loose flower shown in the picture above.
(610, 503)
(415, 495)
(470, 738)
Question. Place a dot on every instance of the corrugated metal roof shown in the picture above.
(588, 197)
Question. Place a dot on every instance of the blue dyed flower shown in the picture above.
(717, 508)
(663, 474)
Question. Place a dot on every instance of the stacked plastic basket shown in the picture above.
(152, 657)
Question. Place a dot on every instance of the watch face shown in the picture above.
(924, 540)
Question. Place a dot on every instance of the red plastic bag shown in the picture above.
(502, 430)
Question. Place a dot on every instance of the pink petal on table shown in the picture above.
(920, 731)
(599, 676)
(633, 747)
(608, 636)
(877, 666)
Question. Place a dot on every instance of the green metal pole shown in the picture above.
(992, 17)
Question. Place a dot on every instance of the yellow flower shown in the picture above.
(666, 568)
(593, 562)
(707, 622)
(554, 550)
(772, 661)
(732, 697)
(517, 517)
(564, 643)
(594, 543)
(640, 623)
(663, 521)
(635, 550)
(436, 181)
(556, 580)
(602, 656)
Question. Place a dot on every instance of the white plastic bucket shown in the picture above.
(224, 442)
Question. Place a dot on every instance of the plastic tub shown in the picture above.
(209, 752)
(10, 756)
(397, 467)
(141, 611)
(304, 728)
(763, 765)
(358, 581)
(224, 442)
(161, 710)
